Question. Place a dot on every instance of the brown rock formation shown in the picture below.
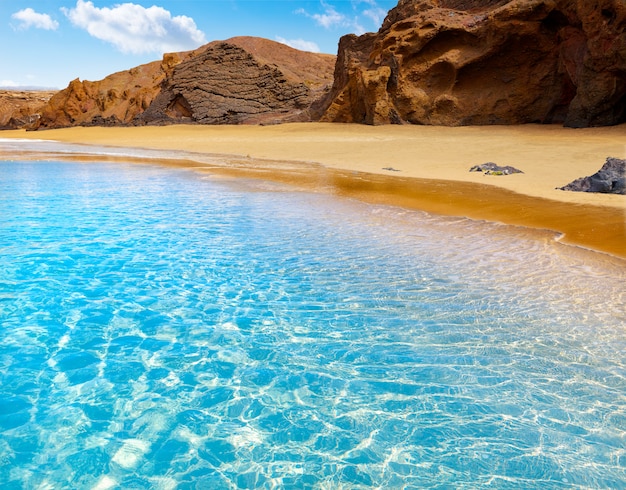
(462, 62)
(19, 108)
(115, 100)
(241, 80)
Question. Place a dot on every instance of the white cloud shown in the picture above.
(300, 44)
(29, 18)
(132, 28)
(8, 83)
(330, 17)
(376, 14)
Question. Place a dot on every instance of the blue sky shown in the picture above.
(48, 43)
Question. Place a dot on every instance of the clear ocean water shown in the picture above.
(165, 329)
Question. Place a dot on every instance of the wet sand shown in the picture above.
(413, 166)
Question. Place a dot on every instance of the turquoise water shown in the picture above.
(164, 329)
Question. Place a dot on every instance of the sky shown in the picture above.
(48, 43)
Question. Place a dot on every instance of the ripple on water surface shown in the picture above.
(163, 330)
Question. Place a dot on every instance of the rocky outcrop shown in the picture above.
(464, 62)
(115, 100)
(19, 108)
(241, 80)
(610, 179)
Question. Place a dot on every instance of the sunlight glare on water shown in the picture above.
(162, 329)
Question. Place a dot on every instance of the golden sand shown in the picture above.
(422, 167)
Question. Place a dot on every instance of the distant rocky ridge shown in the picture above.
(19, 108)
(475, 62)
(437, 62)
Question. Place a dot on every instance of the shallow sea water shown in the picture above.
(164, 329)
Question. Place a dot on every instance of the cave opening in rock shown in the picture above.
(179, 108)
(608, 14)
(554, 22)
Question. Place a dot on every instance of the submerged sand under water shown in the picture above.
(169, 328)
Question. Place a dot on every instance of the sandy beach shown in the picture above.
(421, 167)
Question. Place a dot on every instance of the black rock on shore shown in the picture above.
(610, 179)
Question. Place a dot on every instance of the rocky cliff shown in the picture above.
(241, 80)
(463, 62)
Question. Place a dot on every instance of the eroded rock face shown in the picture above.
(463, 62)
(242, 80)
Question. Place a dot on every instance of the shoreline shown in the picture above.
(430, 167)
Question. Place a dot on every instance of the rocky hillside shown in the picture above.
(440, 62)
(115, 100)
(463, 62)
(19, 108)
(241, 80)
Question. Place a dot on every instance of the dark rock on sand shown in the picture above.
(610, 179)
(491, 168)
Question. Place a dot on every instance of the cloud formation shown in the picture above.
(331, 18)
(376, 14)
(300, 44)
(134, 29)
(29, 18)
